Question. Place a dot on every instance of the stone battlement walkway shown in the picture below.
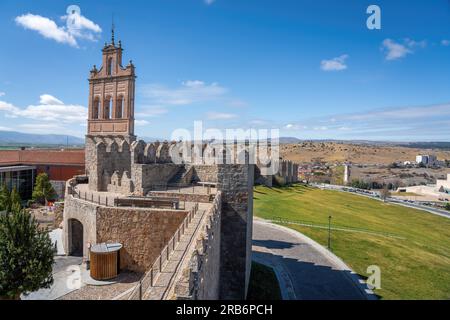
(162, 288)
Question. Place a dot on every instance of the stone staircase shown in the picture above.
(183, 176)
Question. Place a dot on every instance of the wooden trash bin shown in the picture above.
(105, 261)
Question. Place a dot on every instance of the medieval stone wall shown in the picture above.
(106, 156)
(236, 184)
(143, 233)
(146, 176)
(287, 174)
(206, 173)
(84, 212)
(184, 196)
(200, 280)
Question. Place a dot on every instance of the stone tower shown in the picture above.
(111, 117)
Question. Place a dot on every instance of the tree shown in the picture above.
(43, 189)
(10, 202)
(447, 206)
(385, 193)
(16, 202)
(26, 255)
(5, 199)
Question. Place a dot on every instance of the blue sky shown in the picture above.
(310, 68)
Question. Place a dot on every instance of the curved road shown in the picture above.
(305, 269)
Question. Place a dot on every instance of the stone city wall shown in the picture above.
(105, 156)
(200, 278)
(143, 233)
(188, 197)
(205, 173)
(147, 176)
(287, 174)
(84, 212)
(236, 184)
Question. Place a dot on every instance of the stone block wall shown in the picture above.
(146, 176)
(206, 173)
(104, 156)
(287, 174)
(188, 197)
(143, 233)
(236, 184)
(200, 280)
(86, 214)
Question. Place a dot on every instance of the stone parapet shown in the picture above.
(200, 279)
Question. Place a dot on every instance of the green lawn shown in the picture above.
(416, 266)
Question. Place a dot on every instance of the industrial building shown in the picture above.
(19, 168)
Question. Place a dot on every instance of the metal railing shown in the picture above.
(115, 202)
(97, 199)
(148, 280)
(311, 224)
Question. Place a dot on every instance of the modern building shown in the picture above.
(439, 191)
(20, 167)
(426, 159)
(19, 177)
(444, 185)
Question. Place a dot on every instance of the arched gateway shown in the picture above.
(75, 238)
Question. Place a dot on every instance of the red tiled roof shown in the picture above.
(74, 157)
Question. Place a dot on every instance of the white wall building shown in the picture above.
(426, 159)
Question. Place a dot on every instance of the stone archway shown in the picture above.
(76, 240)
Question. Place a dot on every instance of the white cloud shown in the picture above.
(395, 50)
(5, 129)
(49, 109)
(77, 27)
(49, 100)
(46, 28)
(191, 91)
(2, 94)
(151, 111)
(445, 43)
(291, 126)
(335, 64)
(209, 2)
(40, 127)
(141, 123)
(220, 116)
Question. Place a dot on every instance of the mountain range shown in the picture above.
(18, 138)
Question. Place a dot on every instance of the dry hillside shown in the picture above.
(355, 153)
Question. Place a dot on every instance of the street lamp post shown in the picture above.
(329, 233)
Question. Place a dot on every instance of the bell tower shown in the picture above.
(111, 95)
(110, 130)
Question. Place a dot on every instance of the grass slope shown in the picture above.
(416, 267)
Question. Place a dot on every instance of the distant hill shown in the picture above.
(8, 138)
(360, 153)
(428, 145)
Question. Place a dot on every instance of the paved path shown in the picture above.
(305, 269)
(63, 268)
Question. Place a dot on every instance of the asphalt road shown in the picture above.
(305, 270)
(442, 213)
